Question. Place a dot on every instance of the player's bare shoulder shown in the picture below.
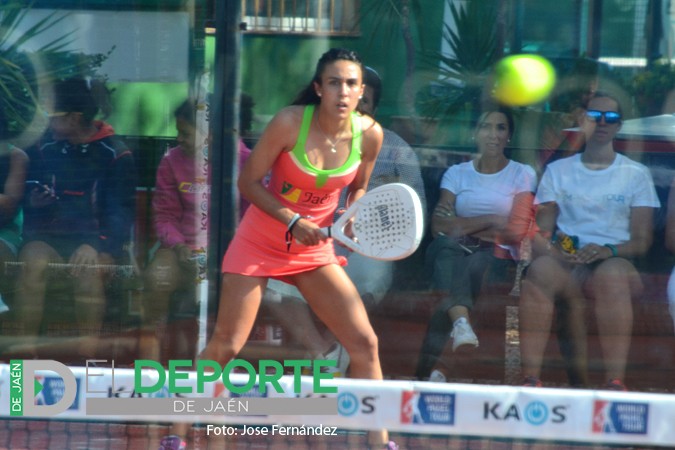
(290, 116)
(285, 126)
(369, 125)
(372, 135)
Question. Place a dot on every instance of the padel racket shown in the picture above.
(388, 223)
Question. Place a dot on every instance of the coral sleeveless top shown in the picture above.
(259, 245)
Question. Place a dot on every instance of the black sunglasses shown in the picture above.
(610, 116)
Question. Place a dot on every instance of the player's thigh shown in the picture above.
(240, 298)
(334, 299)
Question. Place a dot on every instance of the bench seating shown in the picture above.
(401, 320)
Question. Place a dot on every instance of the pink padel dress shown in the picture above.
(259, 245)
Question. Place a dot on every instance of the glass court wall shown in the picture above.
(104, 271)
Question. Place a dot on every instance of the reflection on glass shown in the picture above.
(82, 191)
(79, 215)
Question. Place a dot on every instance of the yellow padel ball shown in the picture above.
(522, 80)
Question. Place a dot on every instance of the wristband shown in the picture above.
(293, 221)
(289, 230)
(613, 249)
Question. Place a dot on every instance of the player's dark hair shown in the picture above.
(308, 95)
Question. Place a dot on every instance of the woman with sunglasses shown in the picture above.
(595, 211)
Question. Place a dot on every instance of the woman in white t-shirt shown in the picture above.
(602, 203)
(476, 229)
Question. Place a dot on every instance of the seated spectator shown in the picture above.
(181, 232)
(182, 192)
(598, 207)
(82, 213)
(568, 104)
(396, 163)
(13, 166)
(477, 227)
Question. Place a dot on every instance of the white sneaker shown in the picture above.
(338, 353)
(462, 334)
(437, 377)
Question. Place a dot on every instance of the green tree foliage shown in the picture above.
(651, 87)
(22, 72)
(463, 73)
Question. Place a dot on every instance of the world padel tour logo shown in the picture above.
(431, 408)
(50, 391)
(620, 417)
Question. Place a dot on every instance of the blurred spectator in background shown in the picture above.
(182, 194)
(179, 205)
(568, 102)
(595, 215)
(82, 212)
(482, 215)
(396, 163)
(13, 166)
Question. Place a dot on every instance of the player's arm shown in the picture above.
(279, 136)
(370, 148)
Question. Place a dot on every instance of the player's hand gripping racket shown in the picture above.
(388, 223)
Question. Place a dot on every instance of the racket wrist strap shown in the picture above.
(289, 230)
(293, 221)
